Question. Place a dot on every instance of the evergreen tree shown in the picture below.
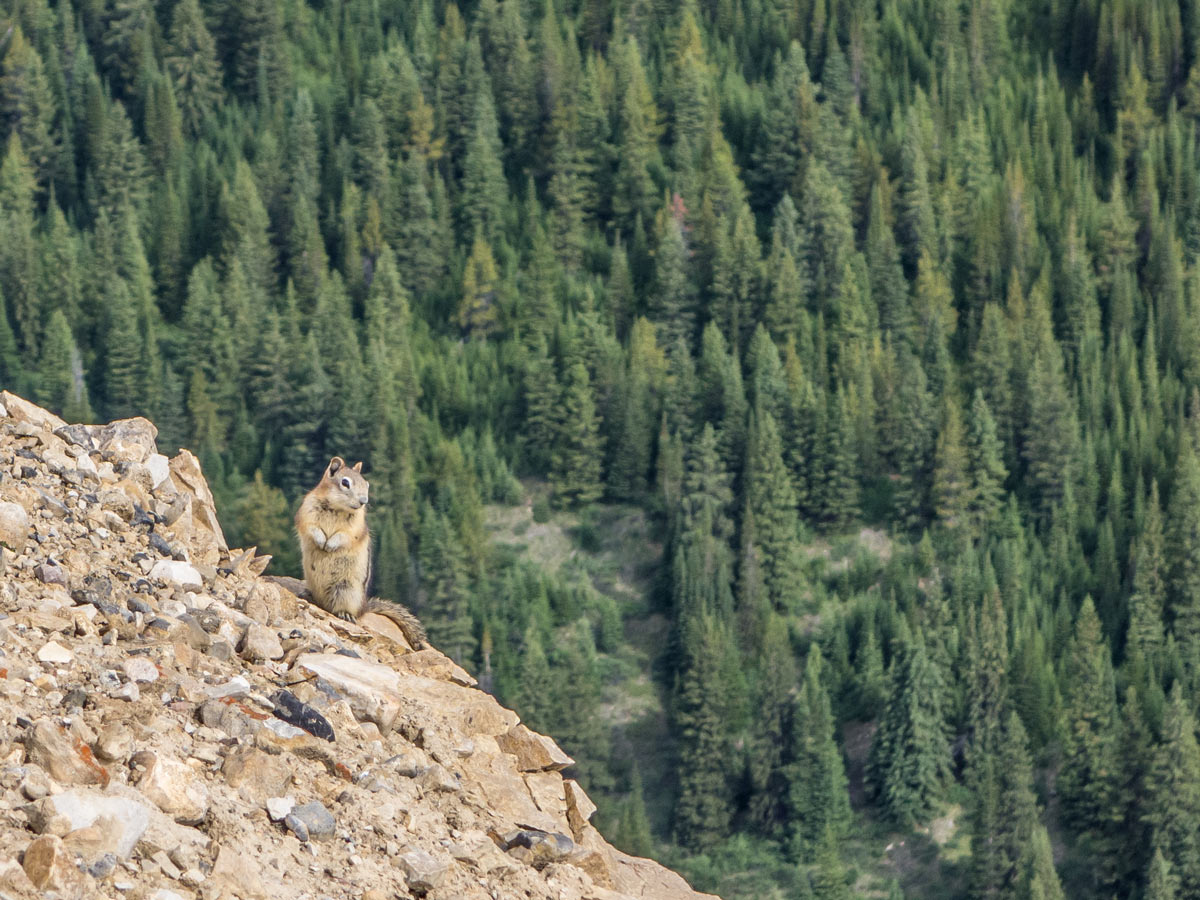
(1173, 801)
(818, 801)
(578, 448)
(910, 755)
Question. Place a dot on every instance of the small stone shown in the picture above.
(422, 870)
(76, 698)
(122, 819)
(279, 808)
(534, 752)
(67, 759)
(168, 868)
(177, 572)
(103, 867)
(14, 527)
(222, 650)
(234, 687)
(35, 785)
(50, 573)
(295, 712)
(140, 669)
(115, 743)
(260, 643)
(540, 847)
(256, 775)
(174, 788)
(296, 827)
(54, 652)
(437, 778)
(164, 894)
(235, 873)
(127, 692)
(317, 820)
(50, 867)
(160, 469)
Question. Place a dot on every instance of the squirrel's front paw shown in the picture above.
(318, 537)
(346, 616)
(336, 541)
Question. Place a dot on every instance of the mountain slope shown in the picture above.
(147, 679)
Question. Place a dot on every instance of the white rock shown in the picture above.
(129, 692)
(234, 687)
(84, 464)
(14, 527)
(55, 652)
(174, 788)
(140, 669)
(279, 807)
(160, 468)
(164, 894)
(126, 818)
(176, 571)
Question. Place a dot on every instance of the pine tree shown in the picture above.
(1085, 781)
(1183, 549)
(60, 368)
(579, 447)
(1041, 880)
(1005, 816)
(477, 312)
(673, 295)
(192, 62)
(1173, 795)
(704, 809)
(951, 478)
(817, 797)
(1148, 597)
(985, 464)
(909, 761)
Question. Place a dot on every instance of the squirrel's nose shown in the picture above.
(362, 501)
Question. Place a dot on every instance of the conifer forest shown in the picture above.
(792, 406)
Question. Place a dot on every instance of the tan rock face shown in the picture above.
(187, 729)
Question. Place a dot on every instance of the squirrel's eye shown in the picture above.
(345, 482)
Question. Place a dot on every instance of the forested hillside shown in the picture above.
(767, 272)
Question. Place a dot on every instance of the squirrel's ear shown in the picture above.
(336, 463)
(358, 466)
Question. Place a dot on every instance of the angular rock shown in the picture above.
(172, 786)
(534, 752)
(160, 469)
(317, 820)
(12, 877)
(422, 870)
(64, 756)
(437, 778)
(378, 693)
(295, 712)
(580, 808)
(256, 775)
(129, 439)
(140, 669)
(114, 743)
(24, 411)
(538, 848)
(123, 819)
(279, 808)
(49, 866)
(50, 573)
(236, 874)
(181, 573)
(54, 652)
(260, 643)
(14, 527)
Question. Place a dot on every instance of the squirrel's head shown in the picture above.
(347, 487)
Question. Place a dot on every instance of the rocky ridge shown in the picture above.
(173, 725)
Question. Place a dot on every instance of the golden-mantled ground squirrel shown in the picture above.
(335, 545)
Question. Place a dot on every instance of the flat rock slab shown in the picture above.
(125, 819)
(380, 694)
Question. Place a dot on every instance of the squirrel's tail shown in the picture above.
(409, 624)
